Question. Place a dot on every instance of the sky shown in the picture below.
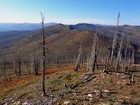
(71, 11)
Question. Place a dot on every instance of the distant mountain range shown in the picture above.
(22, 26)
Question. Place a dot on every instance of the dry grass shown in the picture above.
(29, 87)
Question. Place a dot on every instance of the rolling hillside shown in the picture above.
(65, 39)
(6, 38)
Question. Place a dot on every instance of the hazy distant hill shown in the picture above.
(133, 32)
(7, 37)
(86, 26)
(21, 26)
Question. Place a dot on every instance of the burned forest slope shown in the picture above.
(64, 40)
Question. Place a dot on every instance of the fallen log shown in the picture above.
(83, 81)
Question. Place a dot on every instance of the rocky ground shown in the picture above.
(64, 86)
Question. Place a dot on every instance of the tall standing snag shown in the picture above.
(114, 40)
(35, 64)
(79, 58)
(119, 54)
(126, 49)
(19, 65)
(43, 56)
(93, 56)
(133, 56)
(4, 72)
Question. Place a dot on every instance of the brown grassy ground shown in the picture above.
(28, 88)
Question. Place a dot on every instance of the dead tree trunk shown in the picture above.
(88, 56)
(126, 53)
(35, 64)
(18, 61)
(126, 49)
(5, 73)
(93, 56)
(14, 65)
(119, 54)
(79, 58)
(133, 57)
(43, 56)
(128, 61)
(114, 41)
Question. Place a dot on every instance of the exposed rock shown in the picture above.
(6, 104)
(90, 95)
(91, 99)
(105, 91)
(117, 103)
(26, 103)
(67, 102)
(17, 103)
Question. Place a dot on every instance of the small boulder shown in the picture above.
(67, 102)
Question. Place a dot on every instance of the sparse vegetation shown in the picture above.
(60, 82)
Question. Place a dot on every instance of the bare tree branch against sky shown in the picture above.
(70, 11)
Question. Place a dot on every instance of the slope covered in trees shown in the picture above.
(65, 40)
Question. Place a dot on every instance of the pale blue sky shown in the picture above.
(71, 11)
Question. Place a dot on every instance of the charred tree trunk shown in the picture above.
(93, 56)
(126, 50)
(114, 42)
(79, 58)
(14, 67)
(19, 65)
(126, 55)
(5, 73)
(119, 54)
(128, 61)
(43, 56)
(35, 65)
(133, 56)
(88, 56)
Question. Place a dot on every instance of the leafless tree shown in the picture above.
(114, 41)
(125, 62)
(119, 54)
(19, 65)
(4, 71)
(126, 49)
(35, 64)
(43, 56)
(14, 66)
(93, 55)
(79, 58)
(133, 56)
(35, 61)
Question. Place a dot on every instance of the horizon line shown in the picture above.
(66, 23)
